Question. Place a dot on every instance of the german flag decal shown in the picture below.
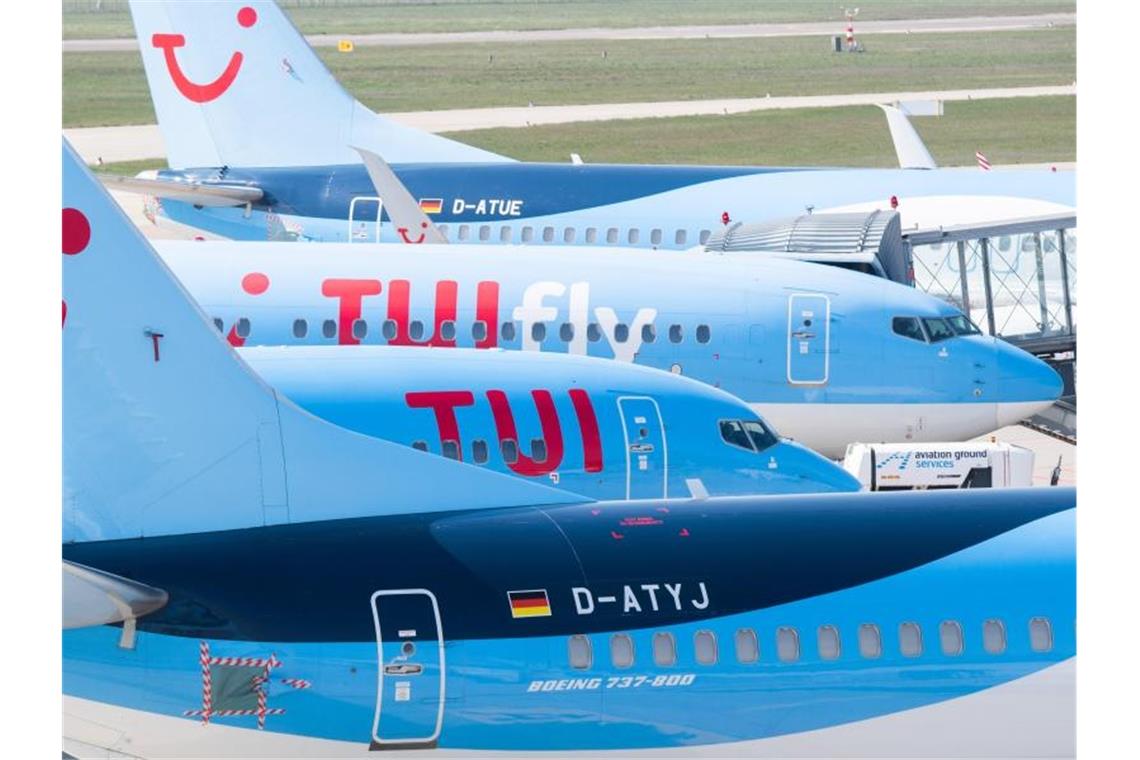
(533, 603)
(431, 205)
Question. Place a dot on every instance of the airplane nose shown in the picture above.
(1026, 384)
(820, 475)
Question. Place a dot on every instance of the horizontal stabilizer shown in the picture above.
(190, 192)
(911, 151)
(93, 597)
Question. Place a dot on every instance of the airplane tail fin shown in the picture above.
(235, 84)
(166, 430)
(909, 147)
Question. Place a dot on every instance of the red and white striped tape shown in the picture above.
(233, 713)
(983, 162)
(207, 684)
(296, 683)
(258, 683)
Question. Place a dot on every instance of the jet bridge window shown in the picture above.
(704, 647)
(621, 650)
(937, 329)
(870, 641)
(827, 639)
(733, 433)
(612, 235)
(787, 644)
(908, 327)
(581, 653)
(680, 237)
(747, 646)
(591, 235)
(703, 334)
(676, 333)
(359, 329)
(950, 634)
(485, 232)
(993, 636)
(664, 649)
(910, 640)
(479, 451)
(300, 328)
(328, 328)
(568, 235)
(962, 325)
(1040, 634)
(762, 437)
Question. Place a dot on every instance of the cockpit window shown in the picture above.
(962, 325)
(908, 327)
(762, 437)
(938, 329)
(734, 434)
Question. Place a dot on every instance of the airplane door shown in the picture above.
(409, 640)
(809, 336)
(364, 219)
(645, 453)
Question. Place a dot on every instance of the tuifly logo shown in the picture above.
(532, 603)
(431, 205)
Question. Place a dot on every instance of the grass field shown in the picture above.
(103, 89)
(364, 16)
(1018, 130)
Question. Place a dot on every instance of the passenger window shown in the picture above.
(242, 328)
(938, 329)
(527, 234)
(704, 238)
(504, 234)
(566, 332)
(359, 329)
(464, 231)
(747, 647)
(478, 330)
(621, 332)
(950, 634)
(568, 235)
(679, 238)
(611, 235)
(827, 637)
(388, 329)
(870, 641)
(416, 329)
(634, 235)
(538, 332)
(508, 331)
(676, 334)
(703, 334)
(443, 229)
(509, 448)
(479, 451)
(762, 437)
(787, 644)
(910, 640)
(993, 636)
(538, 450)
(648, 333)
(1004, 244)
(328, 328)
(451, 449)
(664, 649)
(704, 646)
(485, 232)
(420, 445)
(300, 328)
(447, 330)
(593, 332)
(548, 234)
(591, 235)
(734, 434)
(218, 324)
(655, 237)
(581, 653)
(1040, 634)
(621, 650)
(908, 327)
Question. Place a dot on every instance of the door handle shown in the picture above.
(803, 334)
(403, 669)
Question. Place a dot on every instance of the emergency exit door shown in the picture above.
(364, 219)
(645, 451)
(809, 337)
(409, 640)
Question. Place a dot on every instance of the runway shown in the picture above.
(133, 143)
(794, 29)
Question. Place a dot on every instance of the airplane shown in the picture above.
(826, 356)
(242, 578)
(236, 173)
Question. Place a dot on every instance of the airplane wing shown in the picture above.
(213, 194)
(909, 147)
(404, 210)
(92, 597)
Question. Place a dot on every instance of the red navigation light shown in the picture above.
(725, 218)
(894, 201)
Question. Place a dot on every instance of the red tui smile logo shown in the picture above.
(202, 93)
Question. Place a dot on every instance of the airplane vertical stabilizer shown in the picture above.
(167, 431)
(909, 147)
(235, 83)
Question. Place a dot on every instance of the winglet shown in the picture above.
(911, 151)
(411, 223)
